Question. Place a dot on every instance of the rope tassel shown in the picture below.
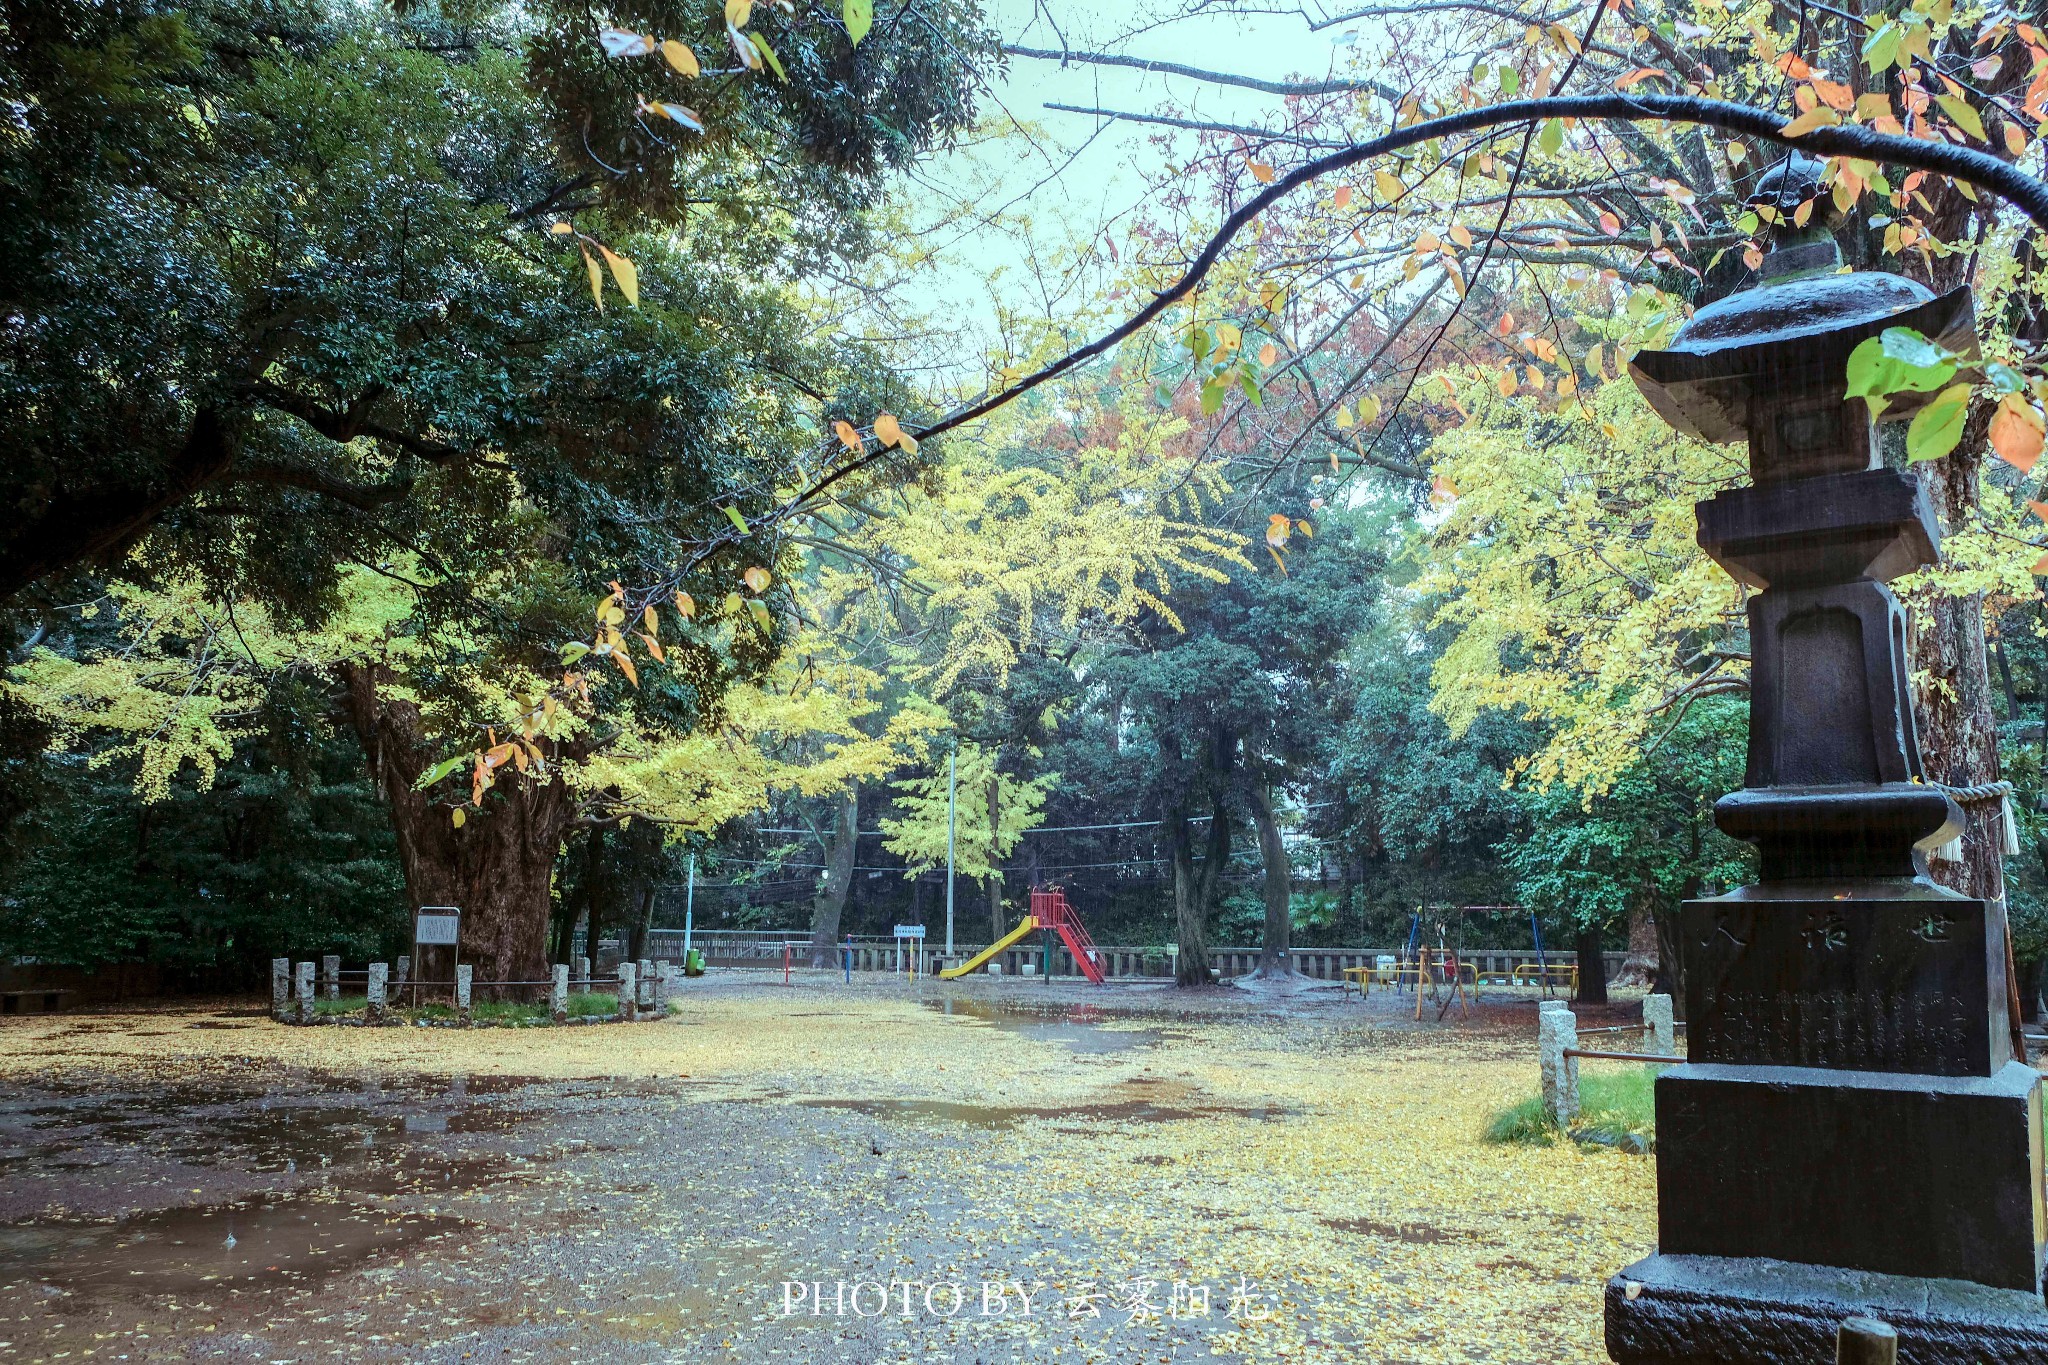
(2008, 826)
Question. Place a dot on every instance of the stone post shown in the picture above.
(1866, 1341)
(1557, 1030)
(583, 971)
(628, 996)
(330, 976)
(463, 976)
(379, 973)
(304, 982)
(661, 985)
(1657, 1022)
(404, 972)
(280, 988)
(644, 977)
(558, 995)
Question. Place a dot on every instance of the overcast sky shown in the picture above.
(1077, 177)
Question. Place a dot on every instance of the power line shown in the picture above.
(1048, 829)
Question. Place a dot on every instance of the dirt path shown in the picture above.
(802, 1174)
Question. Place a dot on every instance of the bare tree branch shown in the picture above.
(1333, 86)
(1981, 169)
(1196, 125)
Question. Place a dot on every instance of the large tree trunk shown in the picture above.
(562, 933)
(643, 925)
(1645, 952)
(1275, 951)
(1670, 977)
(1592, 969)
(595, 868)
(1958, 731)
(830, 902)
(1194, 892)
(497, 868)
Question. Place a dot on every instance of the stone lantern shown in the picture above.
(1851, 1133)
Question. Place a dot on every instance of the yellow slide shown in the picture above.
(972, 963)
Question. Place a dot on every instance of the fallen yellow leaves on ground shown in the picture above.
(1323, 1162)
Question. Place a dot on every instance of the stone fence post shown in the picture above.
(644, 976)
(1866, 1341)
(558, 994)
(404, 971)
(280, 988)
(1557, 1031)
(661, 988)
(304, 982)
(583, 972)
(628, 996)
(463, 976)
(380, 972)
(330, 976)
(1658, 1021)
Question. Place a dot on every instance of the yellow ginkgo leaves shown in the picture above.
(681, 58)
(1820, 116)
(627, 278)
(890, 432)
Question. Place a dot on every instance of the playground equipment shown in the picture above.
(1442, 980)
(975, 963)
(1049, 910)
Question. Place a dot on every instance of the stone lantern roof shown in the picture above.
(1769, 363)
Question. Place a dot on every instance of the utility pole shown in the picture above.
(952, 810)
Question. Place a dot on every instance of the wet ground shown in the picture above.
(995, 1171)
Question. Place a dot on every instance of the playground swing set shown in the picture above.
(1440, 975)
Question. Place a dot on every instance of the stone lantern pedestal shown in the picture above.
(1851, 1133)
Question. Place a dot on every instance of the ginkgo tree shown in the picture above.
(984, 811)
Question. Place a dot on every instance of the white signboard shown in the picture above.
(910, 931)
(437, 926)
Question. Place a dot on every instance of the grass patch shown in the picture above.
(1613, 1106)
(1524, 1122)
(346, 1004)
(582, 1005)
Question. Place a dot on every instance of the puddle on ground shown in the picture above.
(1079, 1028)
(181, 1250)
(1165, 1103)
(205, 1126)
(344, 1145)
